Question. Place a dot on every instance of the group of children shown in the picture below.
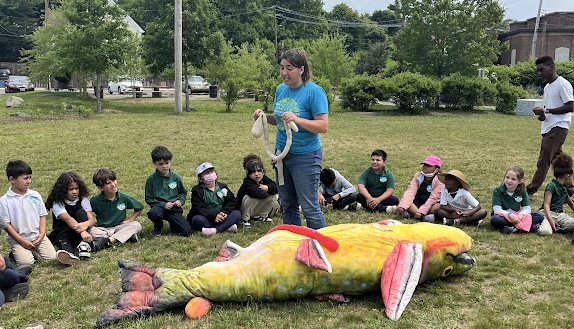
(433, 195)
(81, 226)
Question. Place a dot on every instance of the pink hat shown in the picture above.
(432, 160)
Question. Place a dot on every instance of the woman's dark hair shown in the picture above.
(298, 58)
(59, 192)
(562, 165)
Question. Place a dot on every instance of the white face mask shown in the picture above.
(210, 178)
(430, 175)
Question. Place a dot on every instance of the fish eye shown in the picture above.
(447, 271)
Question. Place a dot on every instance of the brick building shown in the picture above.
(555, 38)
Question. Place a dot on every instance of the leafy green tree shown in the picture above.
(387, 16)
(360, 30)
(374, 59)
(329, 59)
(441, 37)
(18, 19)
(245, 21)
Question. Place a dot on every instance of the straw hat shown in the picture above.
(458, 175)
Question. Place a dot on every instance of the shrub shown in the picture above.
(326, 85)
(413, 92)
(507, 97)
(230, 92)
(358, 93)
(464, 93)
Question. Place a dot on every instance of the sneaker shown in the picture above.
(391, 209)
(156, 232)
(84, 250)
(208, 230)
(133, 239)
(17, 291)
(24, 269)
(535, 228)
(266, 219)
(232, 228)
(448, 221)
(101, 244)
(346, 207)
(479, 223)
(359, 206)
(406, 214)
(246, 224)
(429, 218)
(509, 230)
(67, 258)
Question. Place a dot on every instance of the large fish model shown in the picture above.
(295, 262)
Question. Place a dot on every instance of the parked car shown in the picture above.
(197, 84)
(17, 83)
(5, 71)
(124, 86)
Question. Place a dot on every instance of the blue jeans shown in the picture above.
(198, 222)
(301, 173)
(9, 277)
(499, 222)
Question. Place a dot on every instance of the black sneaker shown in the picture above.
(100, 244)
(84, 250)
(18, 291)
(133, 239)
(509, 230)
(67, 258)
(156, 232)
(24, 269)
(534, 228)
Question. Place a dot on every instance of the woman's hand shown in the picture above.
(256, 114)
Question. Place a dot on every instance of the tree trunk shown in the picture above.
(97, 93)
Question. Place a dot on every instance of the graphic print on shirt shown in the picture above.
(172, 185)
(121, 206)
(282, 106)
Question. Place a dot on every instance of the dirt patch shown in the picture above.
(41, 118)
(110, 111)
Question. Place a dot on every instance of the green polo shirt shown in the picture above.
(213, 199)
(377, 184)
(110, 213)
(559, 195)
(161, 189)
(507, 201)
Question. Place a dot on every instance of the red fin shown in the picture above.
(311, 254)
(328, 242)
(228, 251)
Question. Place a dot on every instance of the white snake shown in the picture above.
(260, 126)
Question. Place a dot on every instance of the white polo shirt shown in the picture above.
(23, 213)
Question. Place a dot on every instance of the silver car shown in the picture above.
(197, 84)
(124, 86)
(17, 83)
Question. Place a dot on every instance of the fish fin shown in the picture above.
(339, 298)
(138, 296)
(327, 241)
(228, 251)
(400, 277)
(388, 222)
(311, 254)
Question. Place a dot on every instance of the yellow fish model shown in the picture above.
(295, 262)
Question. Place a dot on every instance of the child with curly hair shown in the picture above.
(555, 196)
(72, 217)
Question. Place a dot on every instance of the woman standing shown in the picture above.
(299, 100)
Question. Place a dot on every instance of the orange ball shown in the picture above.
(197, 307)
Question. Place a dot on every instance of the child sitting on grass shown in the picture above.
(458, 206)
(337, 191)
(24, 213)
(377, 184)
(110, 207)
(258, 196)
(555, 196)
(511, 205)
(212, 204)
(72, 217)
(421, 200)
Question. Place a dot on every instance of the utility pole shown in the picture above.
(46, 9)
(533, 49)
(178, 56)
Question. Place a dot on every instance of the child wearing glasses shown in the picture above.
(257, 198)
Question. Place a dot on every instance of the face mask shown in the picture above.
(210, 178)
(429, 175)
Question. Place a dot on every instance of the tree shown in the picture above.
(441, 37)
(92, 39)
(329, 59)
(374, 59)
(18, 19)
(360, 30)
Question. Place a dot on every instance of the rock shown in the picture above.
(18, 115)
(14, 101)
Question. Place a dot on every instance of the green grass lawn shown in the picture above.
(519, 281)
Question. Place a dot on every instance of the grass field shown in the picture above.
(519, 281)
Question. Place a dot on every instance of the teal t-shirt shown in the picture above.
(377, 184)
(306, 101)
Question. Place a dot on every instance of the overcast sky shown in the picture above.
(515, 9)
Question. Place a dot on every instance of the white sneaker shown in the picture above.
(359, 206)
(232, 228)
(67, 258)
(346, 207)
(84, 250)
(391, 209)
(246, 224)
(266, 219)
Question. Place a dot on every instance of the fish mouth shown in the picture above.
(464, 259)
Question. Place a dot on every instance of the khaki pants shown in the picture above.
(121, 232)
(43, 252)
(252, 207)
(564, 223)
